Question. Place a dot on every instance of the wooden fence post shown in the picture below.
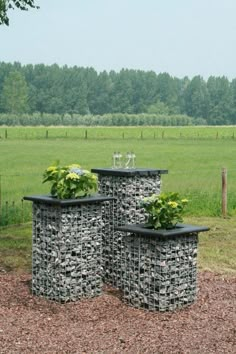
(22, 210)
(224, 192)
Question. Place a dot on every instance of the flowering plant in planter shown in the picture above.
(69, 182)
(164, 210)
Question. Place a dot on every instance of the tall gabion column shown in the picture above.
(128, 187)
(67, 247)
(159, 268)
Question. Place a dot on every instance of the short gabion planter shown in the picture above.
(159, 267)
(127, 186)
(67, 247)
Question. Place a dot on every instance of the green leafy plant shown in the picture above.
(70, 181)
(164, 210)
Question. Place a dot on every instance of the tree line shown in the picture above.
(110, 119)
(36, 93)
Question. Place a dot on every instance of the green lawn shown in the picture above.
(194, 161)
(217, 248)
(15, 248)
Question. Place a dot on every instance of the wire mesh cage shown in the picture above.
(159, 274)
(67, 251)
(128, 187)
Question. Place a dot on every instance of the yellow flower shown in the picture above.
(173, 204)
(184, 200)
(72, 176)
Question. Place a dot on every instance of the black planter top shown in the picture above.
(180, 229)
(128, 172)
(47, 199)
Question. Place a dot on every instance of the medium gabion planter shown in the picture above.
(128, 187)
(159, 267)
(67, 247)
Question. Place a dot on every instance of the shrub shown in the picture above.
(70, 181)
(164, 210)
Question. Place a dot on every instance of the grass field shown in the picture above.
(217, 248)
(194, 157)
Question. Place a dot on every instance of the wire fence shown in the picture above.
(115, 132)
(210, 193)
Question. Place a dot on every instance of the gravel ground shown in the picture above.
(30, 324)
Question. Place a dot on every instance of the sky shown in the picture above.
(180, 37)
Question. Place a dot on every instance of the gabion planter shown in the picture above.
(159, 267)
(67, 247)
(127, 186)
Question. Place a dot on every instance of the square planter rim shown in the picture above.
(48, 199)
(145, 230)
(129, 172)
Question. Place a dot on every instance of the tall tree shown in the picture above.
(122, 93)
(5, 5)
(14, 98)
(197, 98)
(167, 91)
(181, 85)
(221, 100)
(233, 94)
(100, 96)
